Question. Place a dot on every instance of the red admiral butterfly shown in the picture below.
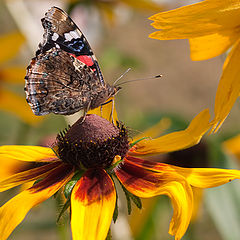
(64, 77)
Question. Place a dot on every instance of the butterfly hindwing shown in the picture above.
(59, 83)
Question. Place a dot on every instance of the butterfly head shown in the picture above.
(113, 90)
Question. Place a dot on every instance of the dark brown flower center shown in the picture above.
(92, 143)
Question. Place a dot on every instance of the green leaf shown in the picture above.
(137, 201)
(129, 205)
(137, 141)
(69, 186)
(115, 213)
(109, 236)
(64, 208)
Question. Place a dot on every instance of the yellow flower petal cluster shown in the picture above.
(212, 27)
(93, 197)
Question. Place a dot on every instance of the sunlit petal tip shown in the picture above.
(13, 212)
(206, 177)
(176, 140)
(92, 205)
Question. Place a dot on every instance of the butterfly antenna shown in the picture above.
(139, 79)
(121, 76)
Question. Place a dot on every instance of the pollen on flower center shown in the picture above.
(92, 143)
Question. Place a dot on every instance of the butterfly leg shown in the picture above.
(85, 112)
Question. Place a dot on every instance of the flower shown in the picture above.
(212, 27)
(11, 74)
(85, 160)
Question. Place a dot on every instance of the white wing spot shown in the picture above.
(55, 36)
(68, 36)
(74, 34)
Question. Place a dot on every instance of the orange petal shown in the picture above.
(146, 183)
(196, 177)
(13, 212)
(207, 177)
(27, 153)
(17, 105)
(212, 45)
(196, 20)
(228, 88)
(9, 45)
(27, 176)
(177, 140)
(107, 111)
(11, 166)
(92, 205)
(198, 200)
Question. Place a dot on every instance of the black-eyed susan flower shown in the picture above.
(212, 27)
(85, 160)
(13, 75)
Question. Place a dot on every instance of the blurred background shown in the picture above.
(117, 31)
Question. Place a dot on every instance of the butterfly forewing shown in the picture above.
(64, 77)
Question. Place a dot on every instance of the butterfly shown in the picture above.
(65, 76)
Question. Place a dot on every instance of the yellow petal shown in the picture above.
(182, 200)
(200, 19)
(13, 74)
(212, 45)
(27, 153)
(17, 105)
(156, 130)
(92, 205)
(27, 176)
(198, 199)
(228, 88)
(233, 146)
(9, 45)
(177, 140)
(10, 166)
(207, 177)
(13, 212)
(107, 111)
(145, 182)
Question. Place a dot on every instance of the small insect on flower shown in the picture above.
(86, 161)
(65, 76)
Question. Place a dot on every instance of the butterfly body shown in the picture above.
(64, 77)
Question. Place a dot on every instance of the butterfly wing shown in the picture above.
(59, 83)
(60, 31)
(64, 77)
